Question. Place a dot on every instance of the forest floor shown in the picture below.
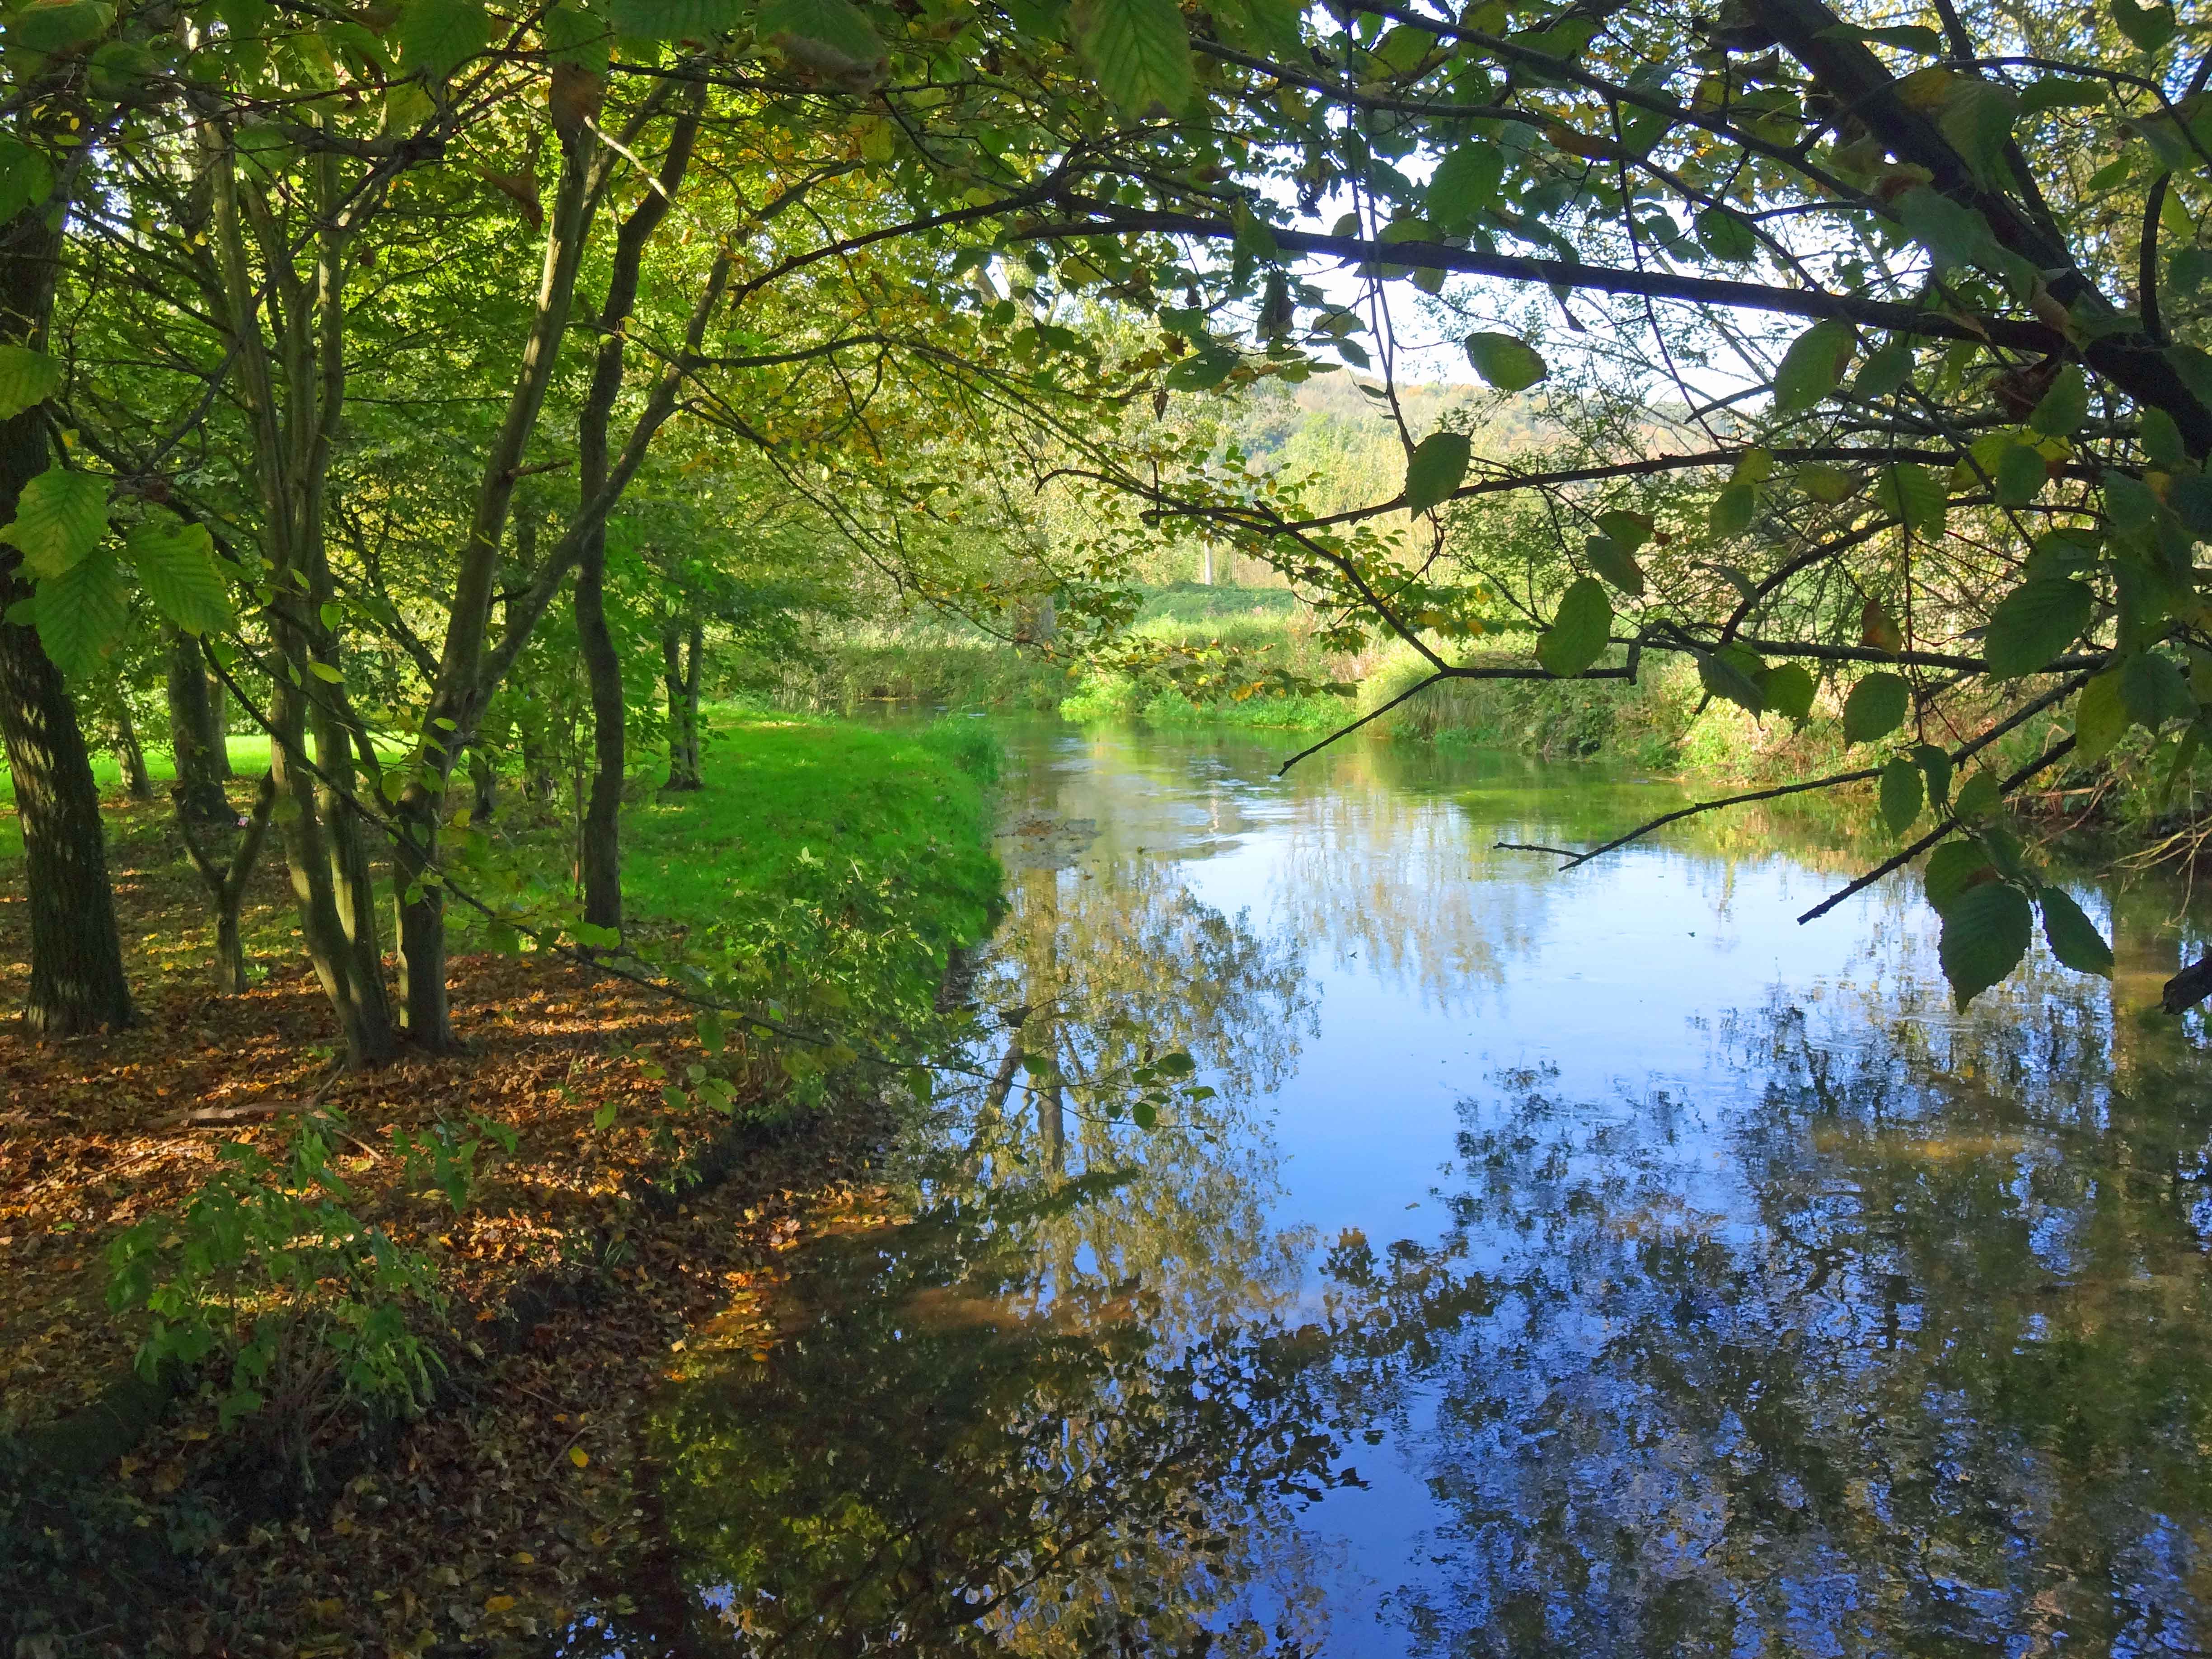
(516, 1506)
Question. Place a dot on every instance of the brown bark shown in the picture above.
(680, 673)
(132, 753)
(600, 852)
(218, 727)
(76, 957)
(194, 738)
(293, 434)
(226, 883)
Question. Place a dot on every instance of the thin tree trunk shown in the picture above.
(218, 728)
(485, 781)
(599, 853)
(458, 697)
(225, 884)
(694, 663)
(194, 736)
(76, 957)
(293, 435)
(132, 752)
(671, 677)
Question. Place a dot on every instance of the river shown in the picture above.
(1585, 1262)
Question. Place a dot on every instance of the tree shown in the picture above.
(1919, 403)
(76, 958)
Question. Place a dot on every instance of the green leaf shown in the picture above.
(1828, 485)
(1912, 494)
(1508, 364)
(59, 519)
(1953, 869)
(1725, 236)
(1731, 512)
(2100, 718)
(1978, 119)
(1788, 688)
(1985, 934)
(1903, 794)
(1435, 468)
(325, 672)
(1615, 563)
(1733, 675)
(2073, 937)
(2034, 622)
(1580, 629)
(2154, 691)
(1884, 371)
(2019, 475)
(825, 35)
(1935, 765)
(1978, 798)
(1630, 529)
(1814, 365)
(26, 178)
(58, 25)
(81, 613)
(580, 38)
(436, 37)
(1139, 49)
(1876, 707)
(27, 377)
(2061, 92)
(2066, 406)
(2149, 27)
(1959, 236)
(176, 566)
(1466, 182)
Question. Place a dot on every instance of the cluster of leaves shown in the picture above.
(269, 1266)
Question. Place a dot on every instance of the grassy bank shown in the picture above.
(582, 1205)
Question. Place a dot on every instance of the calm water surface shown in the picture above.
(1563, 1264)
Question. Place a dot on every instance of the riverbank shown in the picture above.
(1253, 640)
(524, 1229)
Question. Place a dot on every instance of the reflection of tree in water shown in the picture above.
(1060, 1412)
(938, 1463)
(1403, 884)
(1099, 969)
(1912, 1357)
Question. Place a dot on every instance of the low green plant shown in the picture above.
(445, 1156)
(268, 1268)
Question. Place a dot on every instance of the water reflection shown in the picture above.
(1762, 1304)
(943, 1459)
(1908, 1354)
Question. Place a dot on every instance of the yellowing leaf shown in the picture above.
(579, 1456)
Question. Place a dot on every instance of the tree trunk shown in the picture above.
(218, 727)
(294, 430)
(485, 780)
(227, 884)
(693, 662)
(681, 679)
(194, 736)
(76, 957)
(132, 752)
(599, 853)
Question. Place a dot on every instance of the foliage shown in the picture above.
(268, 1269)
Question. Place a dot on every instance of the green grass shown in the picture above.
(249, 756)
(789, 797)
